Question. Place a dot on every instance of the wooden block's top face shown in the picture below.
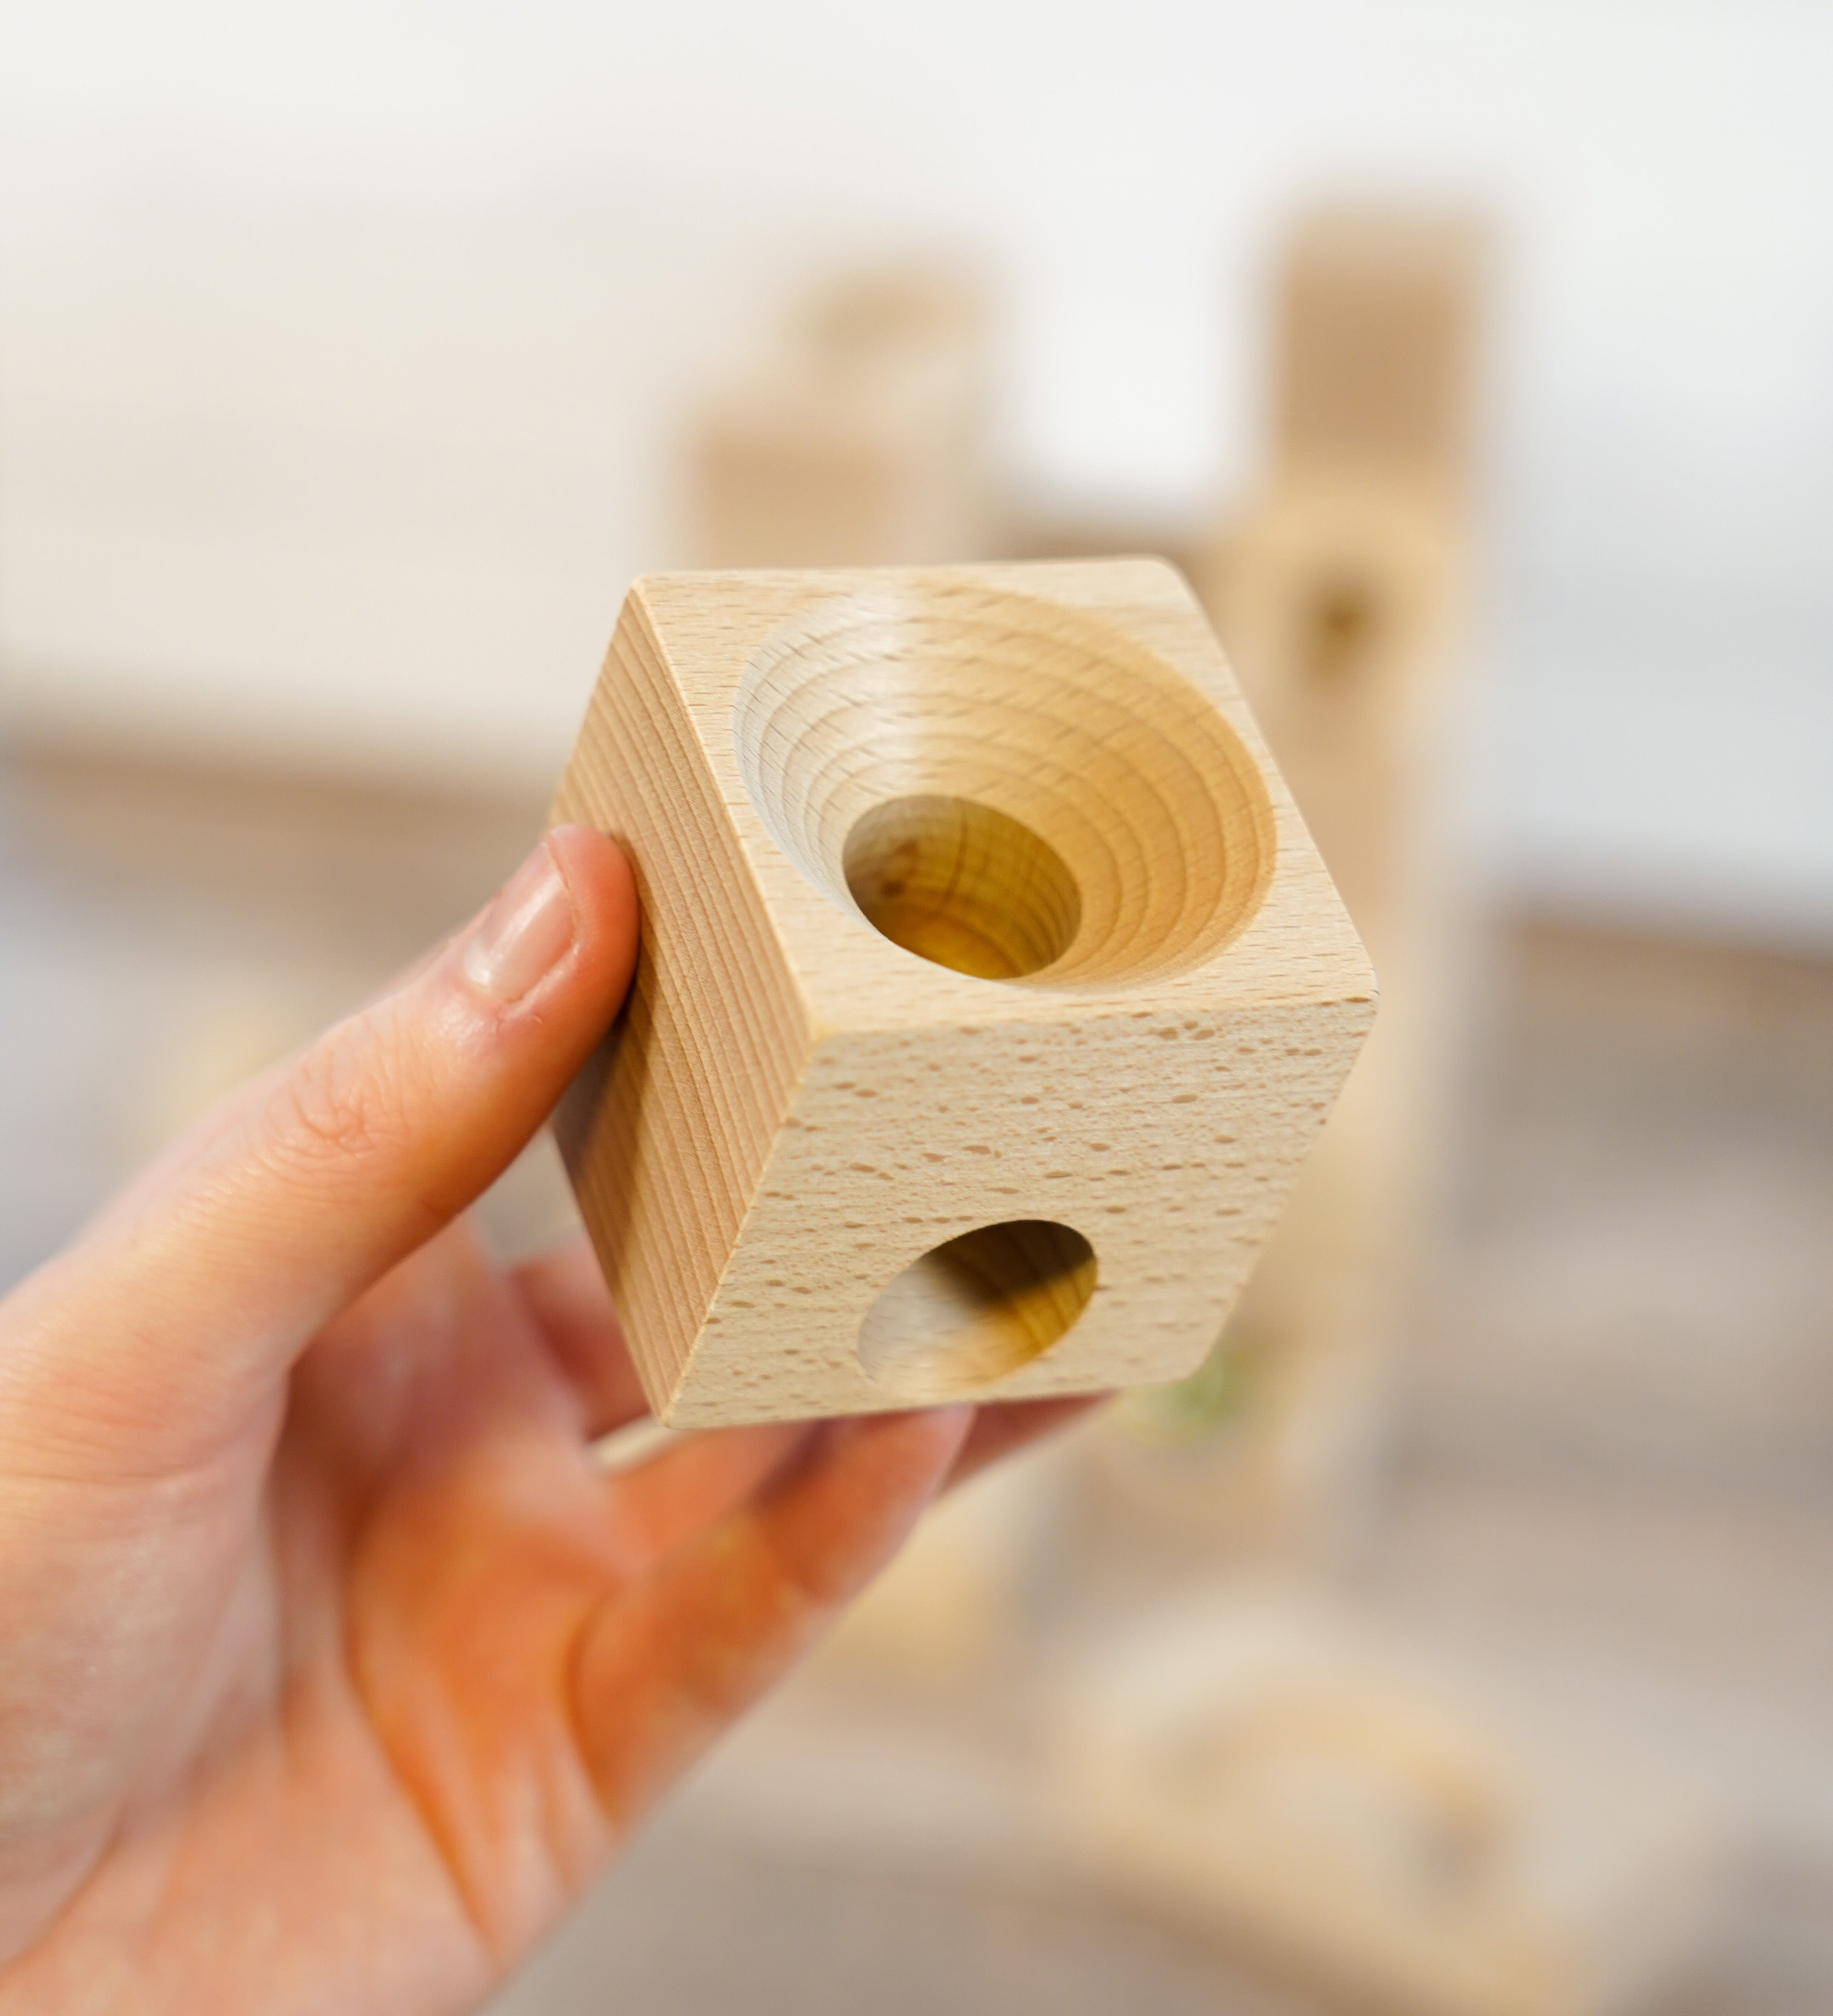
(1041, 776)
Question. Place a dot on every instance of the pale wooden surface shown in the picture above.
(1339, 598)
(800, 1107)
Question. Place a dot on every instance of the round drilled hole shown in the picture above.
(1108, 825)
(962, 884)
(976, 1308)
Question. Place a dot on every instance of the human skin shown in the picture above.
(332, 1665)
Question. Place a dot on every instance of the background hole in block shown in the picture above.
(962, 885)
(976, 1308)
(1342, 626)
(1108, 756)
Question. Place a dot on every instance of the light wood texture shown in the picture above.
(856, 437)
(825, 1173)
(1398, 1824)
(1345, 621)
(1378, 329)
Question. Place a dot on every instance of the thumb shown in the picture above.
(179, 1313)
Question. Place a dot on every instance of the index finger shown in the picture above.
(171, 1320)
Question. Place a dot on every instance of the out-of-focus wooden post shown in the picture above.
(1339, 594)
(855, 436)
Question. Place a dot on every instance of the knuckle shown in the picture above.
(344, 1103)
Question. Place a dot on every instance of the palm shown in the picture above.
(334, 1665)
(444, 1680)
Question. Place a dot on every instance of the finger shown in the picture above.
(169, 1162)
(439, 1357)
(664, 1666)
(1002, 1429)
(701, 1479)
(564, 1290)
(172, 1322)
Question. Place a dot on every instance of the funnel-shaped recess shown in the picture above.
(1008, 786)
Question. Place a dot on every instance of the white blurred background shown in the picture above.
(341, 350)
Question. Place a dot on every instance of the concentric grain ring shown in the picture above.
(900, 711)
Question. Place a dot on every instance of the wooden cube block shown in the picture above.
(856, 437)
(991, 992)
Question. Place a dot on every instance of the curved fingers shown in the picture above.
(175, 1323)
(565, 1293)
(663, 1667)
(1002, 1428)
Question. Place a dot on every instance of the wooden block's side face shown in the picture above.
(1343, 594)
(771, 493)
(666, 1135)
(1326, 1277)
(769, 501)
(1010, 1209)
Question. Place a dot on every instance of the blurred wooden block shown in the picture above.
(856, 439)
(990, 993)
(1339, 594)
(1339, 597)
(1265, 1764)
(1378, 315)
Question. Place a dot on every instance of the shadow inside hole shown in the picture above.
(977, 1309)
(962, 886)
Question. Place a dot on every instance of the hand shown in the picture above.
(331, 1667)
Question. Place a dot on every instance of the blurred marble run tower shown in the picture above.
(1339, 594)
